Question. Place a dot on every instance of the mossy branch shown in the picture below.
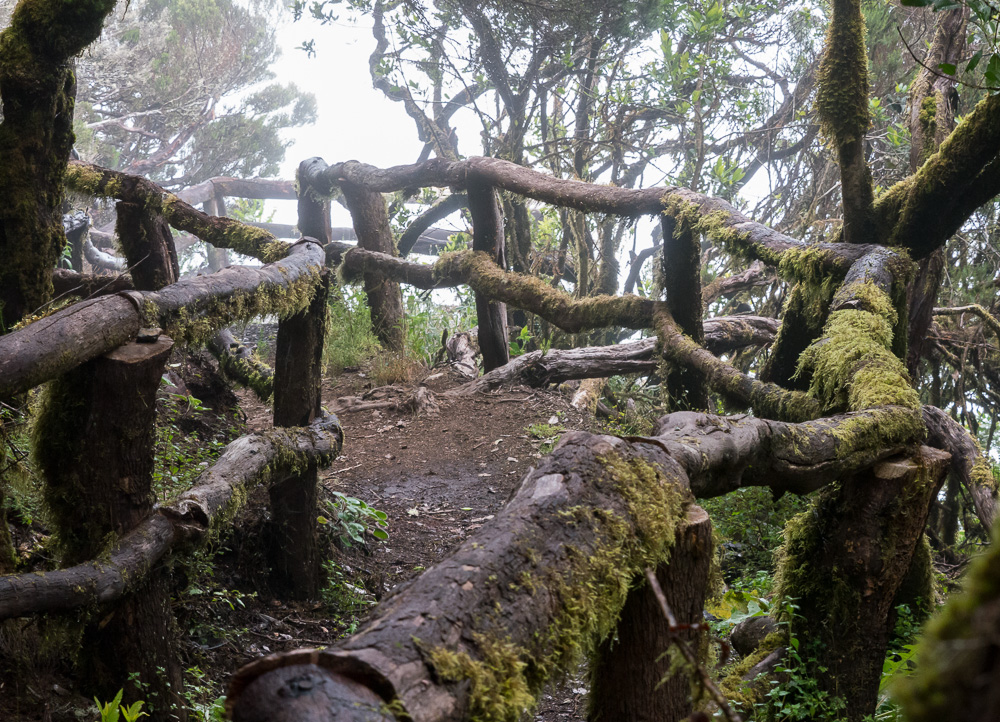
(219, 231)
(209, 505)
(766, 399)
(989, 320)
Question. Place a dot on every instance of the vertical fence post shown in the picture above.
(294, 549)
(218, 258)
(487, 236)
(148, 245)
(628, 675)
(686, 389)
(94, 442)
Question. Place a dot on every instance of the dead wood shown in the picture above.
(85, 285)
(102, 260)
(723, 334)
(250, 461)
(239, 364)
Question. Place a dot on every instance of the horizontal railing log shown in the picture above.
(246, 463)
(479, 634)
(190, 310)
(537, 368)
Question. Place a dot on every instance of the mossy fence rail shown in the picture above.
(553, 577)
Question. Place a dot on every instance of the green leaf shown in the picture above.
(915, 3)
(379, 534)
(947, 68)
(974, 61)
(992, 73)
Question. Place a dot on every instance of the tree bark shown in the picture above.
(37, 89)
(632, 679)
(94, 442)
(371, 220)
(149, 247)
(685, 388)
(294, 547)
(488, 238)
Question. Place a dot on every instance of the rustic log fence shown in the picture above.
(543, 585)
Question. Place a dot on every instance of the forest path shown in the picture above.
(439, 475)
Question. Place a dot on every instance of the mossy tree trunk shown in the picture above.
(842, 565)
(371, 221)
(37, 89)
(94, 442)
(148, 245)
(681, 273)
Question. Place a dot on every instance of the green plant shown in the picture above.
(548, 433)
(110, 711)
(180, 457)
(349, 339)
(341, 593)
(353, 517)
(205, 703)
(429, 314)
(796, 696)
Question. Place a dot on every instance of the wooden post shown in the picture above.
(94, 441)
(294, 548)
(487, 236)
(686, 389)
(628, 677)
(218, 258)
(148, 245)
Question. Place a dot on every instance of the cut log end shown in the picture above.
(307, 693)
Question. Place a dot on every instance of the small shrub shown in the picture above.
(352, 518)
(350, 340)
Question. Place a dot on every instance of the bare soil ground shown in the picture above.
(438, 475)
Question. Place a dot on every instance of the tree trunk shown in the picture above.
(371, 220)
(488, 237)
(94, 441)
(37, 89)
(631, 677)
(294, 547)
(842, 564)
(148, 245)
(685, 387)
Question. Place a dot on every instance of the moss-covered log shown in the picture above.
(239, 364)
(37, 89)
(191, 310)
(220, 232)
(766, 399)
(220, 492)
(480, 633)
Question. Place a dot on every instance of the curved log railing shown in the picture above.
(478, 634)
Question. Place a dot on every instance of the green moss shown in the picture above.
(842, 98)
(499, 689)
(745, 692)
(589, 590)
(530, 293)
(956, 656)
(195, 324)
(852, 365)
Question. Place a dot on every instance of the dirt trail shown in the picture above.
(440, 476)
